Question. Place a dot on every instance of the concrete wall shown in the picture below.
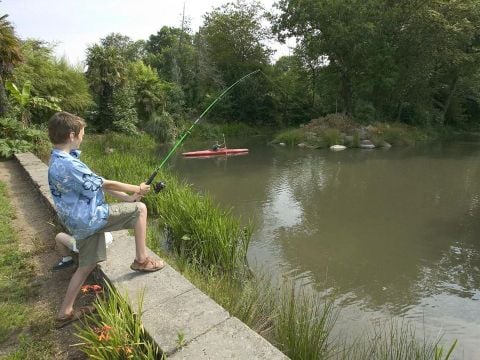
(172, 306)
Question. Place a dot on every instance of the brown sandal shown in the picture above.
(149, 265)
(74, 316)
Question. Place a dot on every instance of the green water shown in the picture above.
(392, 233)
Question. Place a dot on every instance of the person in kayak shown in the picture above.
(218, 146)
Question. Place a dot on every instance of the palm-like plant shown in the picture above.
(27, 102)
(10, 56)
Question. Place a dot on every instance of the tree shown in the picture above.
(234, 40)
(10, 56)
(172, 53)
(52, 77)
(107, 74)
(400, 60)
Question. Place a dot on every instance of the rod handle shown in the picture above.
(150, 179)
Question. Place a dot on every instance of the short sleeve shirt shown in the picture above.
(77, 194)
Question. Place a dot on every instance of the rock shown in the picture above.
(337, 147)
(301, 145)
(386, 145)
(282, 144)
(109, 150)
(366, 144)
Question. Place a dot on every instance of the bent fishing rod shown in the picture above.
(160, 185)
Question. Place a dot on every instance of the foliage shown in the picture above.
(149, 93)
(162, 128)
(116, 332)
(14, 138)
(233, 37)
(52, 79)
(303, 325)
(171, 51)
(27, 102)
(408, 61)
(397, 341)
(10, 56)
(124, 117)
(289, 137)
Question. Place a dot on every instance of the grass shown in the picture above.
(26, 326)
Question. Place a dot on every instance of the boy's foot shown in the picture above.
(149, 265)
(74, 316)
(63, 264)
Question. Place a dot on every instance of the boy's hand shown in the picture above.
(143, 189)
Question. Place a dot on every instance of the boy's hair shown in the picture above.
(61, 124)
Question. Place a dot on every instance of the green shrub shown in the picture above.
(162, 128)
(290, 137)
(15, 138)
(332, 137)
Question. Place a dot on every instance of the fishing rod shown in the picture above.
(160, 185)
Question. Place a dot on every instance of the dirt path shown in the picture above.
(36, 230)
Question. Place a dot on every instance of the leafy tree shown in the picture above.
(52, 77)
(107, 73)
(149, 94)
(171, 51)
(10, 56)
(233, 37)
(399, 60)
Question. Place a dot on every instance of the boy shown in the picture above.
(78, 195)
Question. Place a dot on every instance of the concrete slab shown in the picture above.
(188, 315)
(158, 287)
(27, 159)
(231, 339)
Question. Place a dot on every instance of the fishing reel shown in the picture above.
(159, 186)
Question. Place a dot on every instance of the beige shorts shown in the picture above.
(92, 249)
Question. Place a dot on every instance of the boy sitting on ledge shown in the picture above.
(78, 195)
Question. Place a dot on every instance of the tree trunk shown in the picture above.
(448, 101)
(346, 92)
(3, 100)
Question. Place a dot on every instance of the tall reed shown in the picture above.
(198, 230)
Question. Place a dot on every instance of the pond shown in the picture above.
(391, 233)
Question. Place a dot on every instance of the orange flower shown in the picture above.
(103, 337)
(96, 288)
(128, 350)
(106, 328)
(85, 288)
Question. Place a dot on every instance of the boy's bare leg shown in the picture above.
(64, 243)
(141, 233)
(73, 289)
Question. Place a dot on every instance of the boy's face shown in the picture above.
(77, 140)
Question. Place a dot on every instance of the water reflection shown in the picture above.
(390, 232)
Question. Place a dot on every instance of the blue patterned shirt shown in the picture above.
(77, 194)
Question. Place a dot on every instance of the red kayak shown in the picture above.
(216, 152)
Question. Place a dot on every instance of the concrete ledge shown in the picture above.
(172, 306)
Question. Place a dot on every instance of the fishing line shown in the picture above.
(161, 185)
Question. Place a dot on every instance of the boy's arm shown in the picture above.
(141, 189)
(123, 196)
